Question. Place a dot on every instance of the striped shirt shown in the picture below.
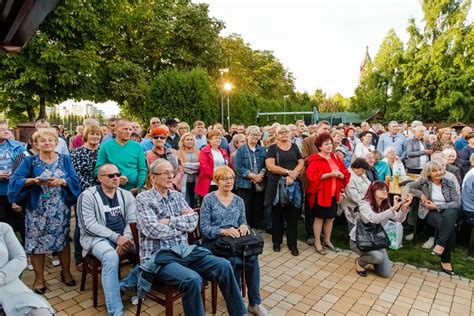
(154, 236)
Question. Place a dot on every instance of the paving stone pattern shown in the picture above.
(309, 284)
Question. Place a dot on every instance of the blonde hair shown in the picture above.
(45, 132)
(185, 125)
(91, 129)
(181, 153)
(429, 168)
(221, 172)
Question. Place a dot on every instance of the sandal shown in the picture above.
(332, 248)
(320, 251)
(361, 273)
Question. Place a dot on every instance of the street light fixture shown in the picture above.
(286, 96)
(228, 87)
(222, 71)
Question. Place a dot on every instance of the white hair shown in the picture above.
(387, 150)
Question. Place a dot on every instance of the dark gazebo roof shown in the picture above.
(20, 19)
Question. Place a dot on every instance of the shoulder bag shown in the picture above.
(370, 236)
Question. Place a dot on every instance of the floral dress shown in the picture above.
(84, 160)
(47, 226)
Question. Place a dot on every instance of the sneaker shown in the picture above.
(134, 300)
(259, 310)
(409, 237)
(428, 244)
(30, 267)
(310, 241)
(55, 262)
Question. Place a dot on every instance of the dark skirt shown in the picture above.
(325, 212)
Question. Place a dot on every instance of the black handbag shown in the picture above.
(370, 236)
(244, 246)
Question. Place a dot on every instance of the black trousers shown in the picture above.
(445, 223)
(15, 219)
(291, 214)
(253, 206)
(308, 220)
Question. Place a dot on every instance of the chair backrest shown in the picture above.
(195, 236)
(136, 241)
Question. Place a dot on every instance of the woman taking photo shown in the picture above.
(211, 157)
(51, 186)
(327, 178)
(365, 146)
(223, 214)
(375, 208)
(284, 163)
(443, 140)
(440, 205)
(188, 157)
(250, 169)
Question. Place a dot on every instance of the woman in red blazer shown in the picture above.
(211, 157)
(327, 178)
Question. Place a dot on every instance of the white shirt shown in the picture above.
(436, 195)
(219, 161)
(361, 150)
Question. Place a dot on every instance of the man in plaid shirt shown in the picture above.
(164, 219)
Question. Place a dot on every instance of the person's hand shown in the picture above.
(187, 211)
(293, 174)
(56, 182)
(123, 180)
(397, 202)
(244, 230)
(430, 205)
(124, 243)
(428, 151)
(164, 221)
(259, 178)
(339, 174)
(407, 202)
(134, 191)
(289, 180)
(5, 175)
(424, 198)
(120, 251)
(231, 232)
(16, 207)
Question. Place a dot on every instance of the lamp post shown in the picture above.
(222, 71)
(286, 96)
(228, 88)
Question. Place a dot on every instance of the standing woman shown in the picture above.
(283, 160)
(211, 157)
(337, 137)
(51, 186)
(183, 128)
(327, 178)
(188, 157)
(365, 146)
(83, 160)
(375, 208)
(250, 170)
(443, 140)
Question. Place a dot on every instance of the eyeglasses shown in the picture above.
(155, 122)
(166, 173)
(228, 179)
(112, 175)
(159, 137)
(255, 135)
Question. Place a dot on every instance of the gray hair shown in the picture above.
(388, 149)
(449, 150)
(281, 127)
(158, 162)
(416, 124)
(392, 123)
(430, 167)
(237, 137)
(418, 128)
(252, 128)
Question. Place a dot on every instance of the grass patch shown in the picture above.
(411, 254)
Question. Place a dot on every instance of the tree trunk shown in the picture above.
(42, 110)
(31, 113)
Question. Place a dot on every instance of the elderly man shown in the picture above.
(462, 141)
(164, 219)
(417, 152)
(127, 155)
(393, 138)
(147, 144)
(104, 213)
(365, 127)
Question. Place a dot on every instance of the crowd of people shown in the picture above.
(249, 176)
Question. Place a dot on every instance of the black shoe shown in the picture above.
(362, 273)
(294, 251)
(448, 272)
(276, 247)
(40, 291)
(68, 283)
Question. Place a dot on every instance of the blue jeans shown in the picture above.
(105, 252)
(188, 276)
(252, 275)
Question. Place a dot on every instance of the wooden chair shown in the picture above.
(92, 266)
(166, 295)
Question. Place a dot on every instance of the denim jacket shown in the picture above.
(243, 164)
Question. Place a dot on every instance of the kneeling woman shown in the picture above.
(223, 214)
(375, 208)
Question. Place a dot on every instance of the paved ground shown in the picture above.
(310, 284)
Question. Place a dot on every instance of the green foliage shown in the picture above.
(188, 95)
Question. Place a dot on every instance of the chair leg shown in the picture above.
(139, 307)
(84, 275)
(203, 295)
(169, 304)
(214, 297)
(95, 283)
(244, 283)
(471, 243)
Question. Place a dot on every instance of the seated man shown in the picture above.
(104, 213)
(164, 219)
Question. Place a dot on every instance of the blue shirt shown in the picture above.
(460, 143)
(9, 150)
(201, 142)
(467, 193)
(398, 142)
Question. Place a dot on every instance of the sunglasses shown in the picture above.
(113, 175)
(159, 137)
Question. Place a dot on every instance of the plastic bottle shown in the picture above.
(396, 179)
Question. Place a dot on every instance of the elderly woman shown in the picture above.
(371, 173)
(49, 183)
(83, 160)
(394, 162)
(284, 163)
(418, 150)
(443, 139)
(223, 214)
(356, 189)
(327, 178)
(250, 169)
(188, 157)
(440, 205)
(211, 157)
(381, 167)
(15, 297)
(453, 163)
(337, 137)
(237, 141)
(365, 146)
(375, 208)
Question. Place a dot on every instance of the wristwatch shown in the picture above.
(287, 172)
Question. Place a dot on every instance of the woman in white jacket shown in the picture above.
(375, 208)
(15, 297)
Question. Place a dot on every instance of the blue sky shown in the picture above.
(321, 42)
